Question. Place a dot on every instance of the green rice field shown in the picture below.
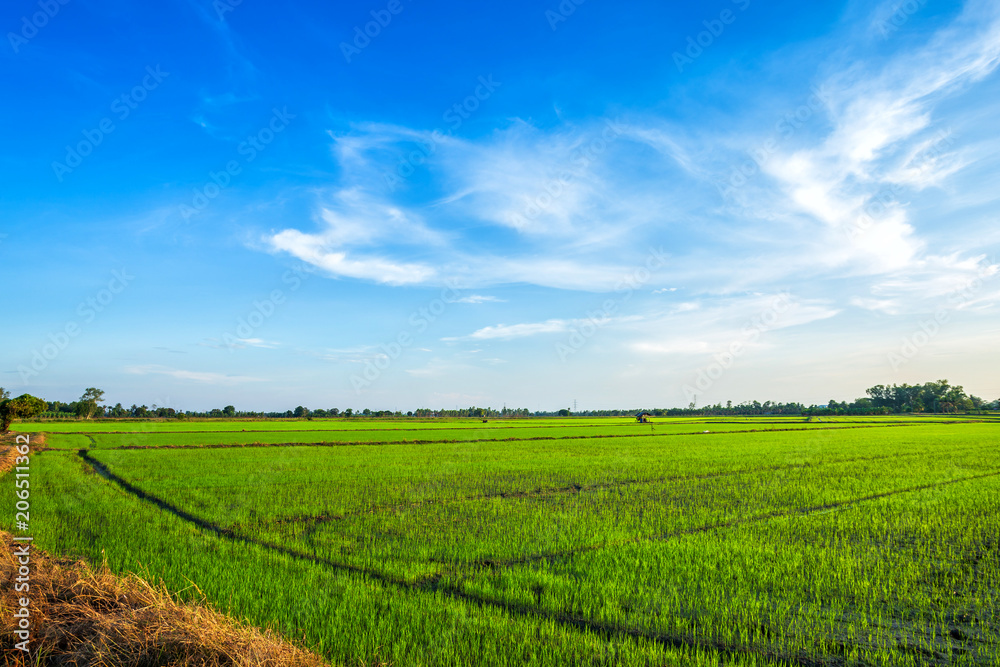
(574, 541)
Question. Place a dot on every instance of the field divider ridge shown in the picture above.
(788, 512)
(429, 584)
(378, 443)
(226, 533)
(519, 426)
(432, 584)
(567, 489)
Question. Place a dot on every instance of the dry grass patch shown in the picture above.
(84, 616)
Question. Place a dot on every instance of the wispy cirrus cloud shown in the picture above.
(711, 325)
(886, 143)
(194, 376)
(509, 331)
(522, 206)
(574, 205)
(941, 282)
(240, 343)
(479, 298)
(527, 329)
(353, 219)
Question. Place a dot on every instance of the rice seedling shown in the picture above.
(874, 542)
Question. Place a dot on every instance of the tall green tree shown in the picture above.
(24, 406)
(87, 405)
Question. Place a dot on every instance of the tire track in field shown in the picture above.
(426, 585)
(612, 631)
(788, 512)
(432, 584)
(314, 522)
(569, 489)
(226, 533)
(379, 443)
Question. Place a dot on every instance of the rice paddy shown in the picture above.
(768, 541)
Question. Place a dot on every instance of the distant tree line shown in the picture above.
(87, 408)
(931, 397)
(745, 408)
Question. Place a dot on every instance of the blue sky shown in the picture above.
(631, 204)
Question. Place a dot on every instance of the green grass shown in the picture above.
(867, 543)
(368, 424)
(260, 436)
(332, 424)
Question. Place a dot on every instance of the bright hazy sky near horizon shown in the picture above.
(398, 203)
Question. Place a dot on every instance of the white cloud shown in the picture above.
(561, 196)
(316, 250)
(258, 342)
(551, 326)
(240, 343)
(715, 324)
(508, 331)
(888, 306)
(934, 283)
(479, 298)
(672, 346)
(195, 376)
(883, 138)
(686, 306)
(575, 206)
(354, 218)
